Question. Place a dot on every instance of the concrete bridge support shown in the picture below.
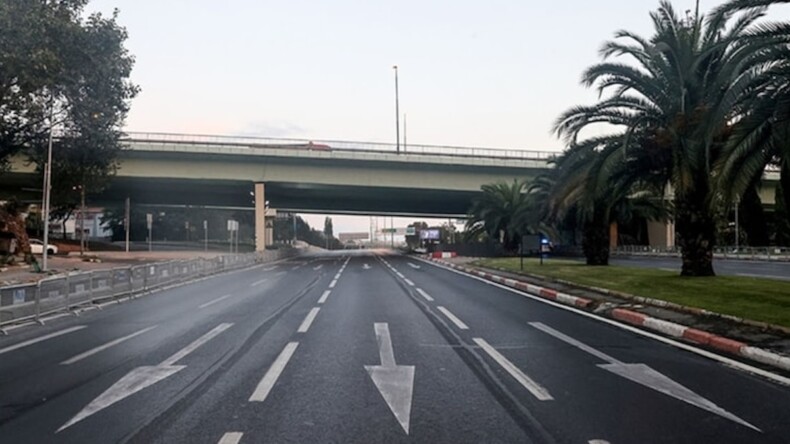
(260, 217)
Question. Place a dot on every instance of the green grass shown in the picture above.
(757, 299)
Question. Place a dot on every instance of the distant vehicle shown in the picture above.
(318, 146)
(37, 247)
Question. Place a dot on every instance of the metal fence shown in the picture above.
(25, 302)
(724, 252)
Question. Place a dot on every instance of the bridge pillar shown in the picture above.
(260, 217)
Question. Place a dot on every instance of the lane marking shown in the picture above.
(308, 320)
(413, 265)
(458, 323)
(366, 267)
(400, 275)
(140, 378)
(324, 296)
(317, 267)
(210, 303)
(274, 372)
(408, 282)
(181, 354)
(645, 375)
(256, 283)
(425, 295)
(42, 338)
(333, 283)
(337, 276)
(644, 333)
(100, 348)
(597, 441)
(232, 438)
(394, 382)
(533, 387)
(269, 268)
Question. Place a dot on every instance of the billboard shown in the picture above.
(431, 234)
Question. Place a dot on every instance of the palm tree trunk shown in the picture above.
(596, 243)
(696, 230)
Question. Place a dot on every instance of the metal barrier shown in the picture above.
(26, 302)
(723, 252)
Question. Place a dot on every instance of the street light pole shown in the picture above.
(737, 228)
(397, 112)
(48, 186)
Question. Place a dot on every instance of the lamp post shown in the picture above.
(48, 187)
(397, 112)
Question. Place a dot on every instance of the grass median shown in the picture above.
(757, 299)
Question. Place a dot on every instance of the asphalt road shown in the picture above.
(365, 349)
(731, 267)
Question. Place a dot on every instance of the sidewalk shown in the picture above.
(769, 346)
(23, 273)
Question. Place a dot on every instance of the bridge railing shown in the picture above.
(723, 252)
(337, 145)
(29, 302)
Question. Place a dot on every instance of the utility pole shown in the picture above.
(392, 232)
(397, 113)
(82, 219)
(404, 132)
(126, 223)
(48, 185)
(205, 235)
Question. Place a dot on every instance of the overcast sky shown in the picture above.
(474, 73)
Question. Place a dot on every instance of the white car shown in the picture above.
(37, 247)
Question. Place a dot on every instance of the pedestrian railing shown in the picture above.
(723, 252)
(25, 302)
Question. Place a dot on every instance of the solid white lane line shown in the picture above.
(210, 303)
(308, 320)
(181, 354)
(533, 387)
(408, 282)
(39, 339)
(425, 295)
(333, 283)
(274, 372)
(256, 283)
(458, 323)
(231, 438)
(100, 348)
(324, 296)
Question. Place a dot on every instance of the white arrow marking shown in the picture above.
(394, 382)
(317, 267)
(415, 266)
(537, 390)
(366, 267)
(142, 377)
(646, 376)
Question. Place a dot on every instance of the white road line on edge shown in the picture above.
(458, 323)
(39, 339)
(274, 372)
(234, 438)
(308, 320)
(638, 331)
(533, 387)
(324, 296)
(100, 348)
(425, 295)
(210, 303)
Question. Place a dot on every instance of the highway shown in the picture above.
(367, 347)
(725, 267)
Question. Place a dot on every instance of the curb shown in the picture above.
(700, 337)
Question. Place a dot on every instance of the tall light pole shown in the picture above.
(397, 112)
(48, 186)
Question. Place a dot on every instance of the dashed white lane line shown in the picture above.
(425, 295)
(231, 438)
(256, 283)
(400, 275)
(333, 283)
(210, 303)
(324, 296)
(408, 282)
(103, 347)
(337, 276)
(308, 320)
(537, 390)
(597, 441)
(39, 339)
(274, 372)
(269, 268)
(458, 323)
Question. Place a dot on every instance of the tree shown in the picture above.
(61, 70)
(676, 99)
(328, 230)
(498, 213)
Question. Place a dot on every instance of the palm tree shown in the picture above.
(499, 212)
(676, 100)
(761, 133)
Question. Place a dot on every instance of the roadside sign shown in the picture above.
(149, 220)
(411, 231)
(389, 230)
(205, 225)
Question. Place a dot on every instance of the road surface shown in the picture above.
(366, 348)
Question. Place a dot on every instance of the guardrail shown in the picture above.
(25, 302)
(337, 145)
(723, 252)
